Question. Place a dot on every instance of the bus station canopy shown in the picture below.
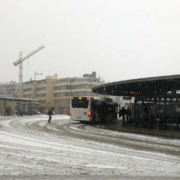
(144, 87)
(18, 99)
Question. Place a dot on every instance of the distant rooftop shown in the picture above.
(93, 75)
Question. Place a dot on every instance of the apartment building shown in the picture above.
(65, 88)
(8, 89)
(54, 92)
(38, 89)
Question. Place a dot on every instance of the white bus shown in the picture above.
(91, 109)
(80, 109)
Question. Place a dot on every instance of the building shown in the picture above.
(43, 90)
(8, 89)
(68, 87)
(54, 92)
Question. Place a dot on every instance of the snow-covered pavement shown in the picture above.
(32, 149)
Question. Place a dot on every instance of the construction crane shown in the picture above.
(20, 62)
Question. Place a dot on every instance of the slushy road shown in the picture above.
(32, 149)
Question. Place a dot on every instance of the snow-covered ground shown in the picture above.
(32, 149)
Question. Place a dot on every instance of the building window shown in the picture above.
(61, 101)
(27, 89)
(42, 101)
(40, 88)
(41, 95)
(27, 96)
(81, 86)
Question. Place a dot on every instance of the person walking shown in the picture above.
(9, 111)
(50, 114)
(123, 112)
(27, 112)
(128, 112)
(120, 114)
(165, 117)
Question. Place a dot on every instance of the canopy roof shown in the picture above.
(152, 86)
(18, 99)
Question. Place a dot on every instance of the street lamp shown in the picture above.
(35, 73)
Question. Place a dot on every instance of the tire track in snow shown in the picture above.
(71, 148)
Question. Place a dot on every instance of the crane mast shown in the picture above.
(20, 62)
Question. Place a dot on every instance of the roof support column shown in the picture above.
(155, 110)
(30, 109)
(142, 111)
(33, 106)
(4, 107)
(159, 109)
(135, 109)
(18, 108)
(165, 104)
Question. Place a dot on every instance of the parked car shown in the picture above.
(36, 112)
(30, 113)
(21, 112)
(54, 113)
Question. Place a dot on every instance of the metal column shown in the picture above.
(18, 108)
(4, 107)
(155, 110)
(135, 109)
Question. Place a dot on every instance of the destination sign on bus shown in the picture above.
(132, 92)
(126, 98)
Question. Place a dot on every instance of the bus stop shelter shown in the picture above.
(155, 94)
(18, 100)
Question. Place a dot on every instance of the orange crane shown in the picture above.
(20, 62)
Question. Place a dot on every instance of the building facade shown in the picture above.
(54, 92)
(8, 89)
(65, 88)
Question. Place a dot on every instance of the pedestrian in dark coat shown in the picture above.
(123, 112)
(7, 111)
(50, 114)
(165, 118)
(128, 113)
(120, 114)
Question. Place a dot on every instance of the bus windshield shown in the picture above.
(78, 102)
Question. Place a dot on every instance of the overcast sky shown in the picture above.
(119, 39)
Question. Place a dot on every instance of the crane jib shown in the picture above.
(20, 61)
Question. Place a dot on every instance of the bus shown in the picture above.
(92, 109)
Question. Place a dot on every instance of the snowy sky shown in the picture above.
(119, 39)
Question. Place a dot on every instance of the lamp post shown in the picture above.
(35, 73)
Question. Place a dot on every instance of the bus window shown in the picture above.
(80, 103)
